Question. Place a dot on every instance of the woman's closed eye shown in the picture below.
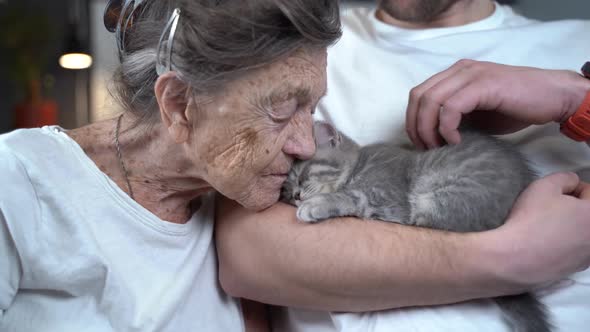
(283, 111)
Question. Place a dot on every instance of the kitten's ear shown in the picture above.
(326, 135)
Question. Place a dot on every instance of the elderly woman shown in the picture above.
(109, 227)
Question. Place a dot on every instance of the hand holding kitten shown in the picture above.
(547, 234)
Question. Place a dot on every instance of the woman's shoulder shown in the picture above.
(33, 146)
(13, 147)
(24, 140)
(18, 196)
(28, 156)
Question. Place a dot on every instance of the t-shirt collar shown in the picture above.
(388, 33)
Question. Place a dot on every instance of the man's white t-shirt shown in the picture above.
(78, 254)
(370, 73)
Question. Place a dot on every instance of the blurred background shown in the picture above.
(56, 58)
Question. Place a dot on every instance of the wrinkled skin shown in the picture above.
(246, 137)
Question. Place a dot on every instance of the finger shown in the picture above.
(427, 122)
(416, 94)
(432, 108)
(464, 101)
(565, 182)
(582, 191)
(476, 95)
(448, 125)
(411, 112)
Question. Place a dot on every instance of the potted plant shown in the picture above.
(26, 35)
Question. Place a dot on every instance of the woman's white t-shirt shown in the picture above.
(78, 254)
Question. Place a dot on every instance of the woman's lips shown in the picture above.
(278, 177)
(281, 175)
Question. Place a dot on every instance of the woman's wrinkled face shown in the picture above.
(246, 137)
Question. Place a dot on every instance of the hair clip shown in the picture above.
(118, 17)
(172, 24)
(112, 12)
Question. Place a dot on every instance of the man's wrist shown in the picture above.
(578, 88)
(491, 260)
(576, 125)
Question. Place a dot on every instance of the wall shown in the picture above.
(554, 9)
(539, 9)
(105, 55)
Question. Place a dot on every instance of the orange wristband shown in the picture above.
(577, 126)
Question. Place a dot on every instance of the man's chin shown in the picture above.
(418, 11)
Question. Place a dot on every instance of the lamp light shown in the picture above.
(75, 55)
(75, 61)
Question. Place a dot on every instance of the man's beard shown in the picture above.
(419, 11)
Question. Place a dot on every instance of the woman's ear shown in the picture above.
(171, 94)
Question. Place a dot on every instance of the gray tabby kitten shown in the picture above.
(463, 188)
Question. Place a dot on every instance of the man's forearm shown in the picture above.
(347, 264)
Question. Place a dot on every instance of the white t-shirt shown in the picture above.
(78, 254)
(370, 73)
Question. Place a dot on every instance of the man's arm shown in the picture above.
(338, 265)
(353, 265)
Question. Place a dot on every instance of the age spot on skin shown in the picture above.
(250, 136)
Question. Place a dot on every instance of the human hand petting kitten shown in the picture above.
(498, 98)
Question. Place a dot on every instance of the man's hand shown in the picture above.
(547, 235)
(499, 98)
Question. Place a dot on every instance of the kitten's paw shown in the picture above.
(314, 210)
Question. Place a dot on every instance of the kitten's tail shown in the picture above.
(525, 313)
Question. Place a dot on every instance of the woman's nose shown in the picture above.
(301, 144)
(306, 149)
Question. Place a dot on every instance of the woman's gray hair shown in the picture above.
(217, 41)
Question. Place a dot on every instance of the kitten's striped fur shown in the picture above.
(463, 188)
